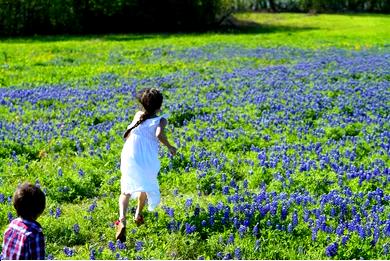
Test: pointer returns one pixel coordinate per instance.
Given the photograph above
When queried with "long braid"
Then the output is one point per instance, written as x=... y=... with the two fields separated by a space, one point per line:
x=151 y=100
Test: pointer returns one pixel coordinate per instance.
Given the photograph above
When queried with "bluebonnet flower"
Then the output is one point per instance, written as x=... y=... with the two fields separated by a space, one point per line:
x=68 y=251
x=211 y=220
x=170 y=212
x=314 y=232
x=50 y=257
x=284 y=212
x=92 y=254
x=204 y=223
x=344 y=240
x=10 y=217
x=232 y=183
x=212 y=209
x=58 y=212
x=92 y=207
x=228 y=256
x=290 y=228
x=139 y=245
x=81 y=173
x=257 y=245
x=237 y=253
x=201 y=258
x=245 y=184
x=375 y=236
x=189 y=229
x=219 y=255
x=255 y=230
x=225 y=190
x=188 y=203
x=76 y=228
x=332 y=249
x=295 y=219
x=196 y=210
x=2 y=198
x=230 y=239
x=111 y=246
x=120 y=245
x=60 y=172
x=386 y=248
x=242 y=230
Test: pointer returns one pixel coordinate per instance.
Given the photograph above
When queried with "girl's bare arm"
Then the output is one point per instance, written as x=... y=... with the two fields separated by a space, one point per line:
x=160 y=134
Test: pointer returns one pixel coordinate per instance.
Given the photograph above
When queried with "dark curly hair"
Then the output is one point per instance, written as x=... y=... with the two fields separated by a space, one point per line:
x=29 y=201
x=151 y=100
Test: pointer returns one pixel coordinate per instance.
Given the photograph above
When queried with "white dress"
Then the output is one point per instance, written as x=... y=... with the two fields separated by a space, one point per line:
x=139 y=161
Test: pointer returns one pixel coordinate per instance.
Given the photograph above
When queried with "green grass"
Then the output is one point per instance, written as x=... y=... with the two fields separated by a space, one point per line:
x=110 y=61
x=36 y=60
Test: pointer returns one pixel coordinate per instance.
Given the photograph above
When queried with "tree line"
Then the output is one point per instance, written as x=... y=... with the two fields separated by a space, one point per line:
x=28 y=17
x=380 y=6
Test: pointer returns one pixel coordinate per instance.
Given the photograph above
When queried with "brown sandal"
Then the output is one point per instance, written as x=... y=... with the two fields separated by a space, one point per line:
x=139 y=221
x=120 y=231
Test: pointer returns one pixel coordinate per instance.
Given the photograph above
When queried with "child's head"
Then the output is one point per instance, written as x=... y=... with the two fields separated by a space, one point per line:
x=29 y=201
x=151 y=100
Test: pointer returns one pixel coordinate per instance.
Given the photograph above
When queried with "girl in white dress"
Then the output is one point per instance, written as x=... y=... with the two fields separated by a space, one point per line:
x=139 y=158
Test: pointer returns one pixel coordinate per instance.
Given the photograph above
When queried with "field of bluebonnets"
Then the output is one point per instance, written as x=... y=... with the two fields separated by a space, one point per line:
x=283 y=137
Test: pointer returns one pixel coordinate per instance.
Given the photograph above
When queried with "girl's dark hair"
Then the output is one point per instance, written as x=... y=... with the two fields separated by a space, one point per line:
x=151 y=100
x=29 y=201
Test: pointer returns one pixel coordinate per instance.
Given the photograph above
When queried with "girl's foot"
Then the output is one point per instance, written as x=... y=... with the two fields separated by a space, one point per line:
x=139 y=220
x=120 y=228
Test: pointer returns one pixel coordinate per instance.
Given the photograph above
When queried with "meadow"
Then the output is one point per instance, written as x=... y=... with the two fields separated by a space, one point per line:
x=282 y=128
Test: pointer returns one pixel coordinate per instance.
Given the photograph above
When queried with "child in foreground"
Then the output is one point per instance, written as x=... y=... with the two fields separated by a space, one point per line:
x=139 y=158
x=23 y=238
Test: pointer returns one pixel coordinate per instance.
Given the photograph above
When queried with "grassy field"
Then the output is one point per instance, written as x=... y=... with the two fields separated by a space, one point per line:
x=35 y=61
x=282 y=126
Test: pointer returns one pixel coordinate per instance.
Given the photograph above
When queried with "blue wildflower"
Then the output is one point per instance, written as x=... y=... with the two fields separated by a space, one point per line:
x=120 y=245
x=228 y=256
x=188 y=203
x=225 y=190
x=257 y=245
x=76 y=228
x=189 y=229
x=81 y=173
x=10 y=217
x=230 y=239
x=111 y=246
x=68 y=251
x=237 y=253
x=295 y=219
x=255 y=230
x=242 y=230
x=92 y=207
x=139 y=245
x=58 y=212
x=344 y=240
x=331 y=250
x=92 y=254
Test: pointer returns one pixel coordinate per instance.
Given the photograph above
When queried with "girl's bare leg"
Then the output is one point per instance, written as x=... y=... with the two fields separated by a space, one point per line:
x=141 y=204
x=123 y=205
